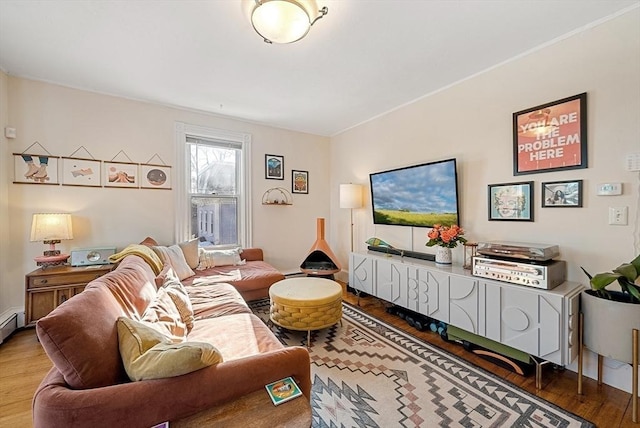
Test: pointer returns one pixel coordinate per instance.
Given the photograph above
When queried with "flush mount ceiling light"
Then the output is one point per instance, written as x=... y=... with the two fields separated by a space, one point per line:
x=285 y=21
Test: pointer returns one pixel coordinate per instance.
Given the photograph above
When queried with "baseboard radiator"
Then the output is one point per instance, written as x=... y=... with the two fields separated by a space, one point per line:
x=10 y=322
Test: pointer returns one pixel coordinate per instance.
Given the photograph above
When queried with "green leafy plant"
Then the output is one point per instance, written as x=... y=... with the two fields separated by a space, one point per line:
x=627 y=275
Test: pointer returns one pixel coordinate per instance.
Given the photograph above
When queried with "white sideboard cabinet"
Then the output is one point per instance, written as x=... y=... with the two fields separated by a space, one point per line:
x=542 y=323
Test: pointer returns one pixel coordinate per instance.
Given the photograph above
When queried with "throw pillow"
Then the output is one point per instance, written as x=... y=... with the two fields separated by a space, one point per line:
x=149 y=242
x=165 y=317
x=212 y=258
x=168 y=280
x=190 y=251
x=148 y=354
x=175 y=257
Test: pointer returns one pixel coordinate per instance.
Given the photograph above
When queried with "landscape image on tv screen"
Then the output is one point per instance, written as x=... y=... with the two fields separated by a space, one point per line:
x=420 y=195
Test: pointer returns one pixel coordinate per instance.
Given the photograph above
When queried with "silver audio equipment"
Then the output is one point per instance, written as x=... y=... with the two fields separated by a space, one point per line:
x=92 y=256
x=545 y=276
x=519 y=250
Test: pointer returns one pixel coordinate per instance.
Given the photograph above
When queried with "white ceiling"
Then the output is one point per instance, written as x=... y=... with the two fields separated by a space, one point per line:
x=365 y=58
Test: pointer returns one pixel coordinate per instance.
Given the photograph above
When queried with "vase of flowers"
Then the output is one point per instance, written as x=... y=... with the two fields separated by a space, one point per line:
x=446 y=238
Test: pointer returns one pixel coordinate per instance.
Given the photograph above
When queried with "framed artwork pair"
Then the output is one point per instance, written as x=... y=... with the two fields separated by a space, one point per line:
x=514 y=201
x=274 y=170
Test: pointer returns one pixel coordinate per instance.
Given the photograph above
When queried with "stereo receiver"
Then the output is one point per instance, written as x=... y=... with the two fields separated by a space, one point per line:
x=544 y=275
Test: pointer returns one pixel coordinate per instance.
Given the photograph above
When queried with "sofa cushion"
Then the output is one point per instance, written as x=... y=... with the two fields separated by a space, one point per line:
x=80 y=336
x=236 y=336
x=148 y=354
x=178 y=294
x=174 y=256
x=165 y=317
x=210 y=301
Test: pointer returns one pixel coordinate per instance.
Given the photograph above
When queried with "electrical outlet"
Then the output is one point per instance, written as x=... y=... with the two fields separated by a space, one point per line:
x=618 y=215
x=633 y=162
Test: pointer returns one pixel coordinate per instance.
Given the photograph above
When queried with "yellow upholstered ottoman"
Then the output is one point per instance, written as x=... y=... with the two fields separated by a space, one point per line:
x=305 y=304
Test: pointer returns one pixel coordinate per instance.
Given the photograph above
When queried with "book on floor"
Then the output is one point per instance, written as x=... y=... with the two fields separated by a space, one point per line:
x=283 y=390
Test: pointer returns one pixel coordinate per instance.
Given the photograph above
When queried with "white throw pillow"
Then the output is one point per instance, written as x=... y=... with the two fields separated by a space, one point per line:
x=175 y=257
x=212 y=258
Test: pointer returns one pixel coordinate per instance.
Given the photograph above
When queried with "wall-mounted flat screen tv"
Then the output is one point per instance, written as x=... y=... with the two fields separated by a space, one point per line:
x=420 y=195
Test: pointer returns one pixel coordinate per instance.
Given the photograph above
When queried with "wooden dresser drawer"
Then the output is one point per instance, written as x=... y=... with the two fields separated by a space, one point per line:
x=45 y=289
x=65 y=278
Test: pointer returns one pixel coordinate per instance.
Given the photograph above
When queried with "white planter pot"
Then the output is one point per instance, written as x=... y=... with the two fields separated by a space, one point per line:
x=608 y=325
x=443 y=255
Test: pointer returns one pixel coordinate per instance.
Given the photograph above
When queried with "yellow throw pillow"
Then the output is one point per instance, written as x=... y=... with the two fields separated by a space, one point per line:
x=148 y=354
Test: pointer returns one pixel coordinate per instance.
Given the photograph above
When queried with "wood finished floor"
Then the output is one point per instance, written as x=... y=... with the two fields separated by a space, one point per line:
x=23 y=364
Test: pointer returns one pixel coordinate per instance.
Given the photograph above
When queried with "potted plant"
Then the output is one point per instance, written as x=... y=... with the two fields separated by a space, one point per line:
x=611 y=315
x=445 y=238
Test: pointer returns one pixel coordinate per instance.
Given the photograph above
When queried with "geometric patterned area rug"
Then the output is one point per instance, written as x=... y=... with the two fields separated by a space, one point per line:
x=367 y=373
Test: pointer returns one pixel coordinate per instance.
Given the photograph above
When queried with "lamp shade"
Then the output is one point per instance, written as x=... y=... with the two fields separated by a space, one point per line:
x=350 y=195
x=51 y=227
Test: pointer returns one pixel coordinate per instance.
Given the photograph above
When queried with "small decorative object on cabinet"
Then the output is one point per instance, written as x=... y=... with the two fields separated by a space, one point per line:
x=610 y=322
x=470 y=251
x=277 y=196
x=45 y=289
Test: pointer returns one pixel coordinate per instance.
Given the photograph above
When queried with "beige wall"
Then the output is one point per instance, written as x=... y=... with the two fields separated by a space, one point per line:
x=6 y=300
x=64 y=119
x=472 y=122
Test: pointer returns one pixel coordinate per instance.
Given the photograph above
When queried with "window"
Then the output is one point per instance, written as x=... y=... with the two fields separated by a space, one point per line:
x=214 y=199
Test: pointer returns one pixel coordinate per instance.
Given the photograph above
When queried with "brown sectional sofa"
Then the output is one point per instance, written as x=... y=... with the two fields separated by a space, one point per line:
x=88 y=386
x=257 y=275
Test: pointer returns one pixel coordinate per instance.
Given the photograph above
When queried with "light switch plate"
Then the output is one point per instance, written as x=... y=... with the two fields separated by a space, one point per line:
x=633 y=162
x=618 y=215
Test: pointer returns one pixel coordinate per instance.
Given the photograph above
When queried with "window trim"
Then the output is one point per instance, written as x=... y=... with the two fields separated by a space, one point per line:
x=182 y=130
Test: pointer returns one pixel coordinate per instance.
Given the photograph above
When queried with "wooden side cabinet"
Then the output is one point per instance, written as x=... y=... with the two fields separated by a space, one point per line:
x=45 y=289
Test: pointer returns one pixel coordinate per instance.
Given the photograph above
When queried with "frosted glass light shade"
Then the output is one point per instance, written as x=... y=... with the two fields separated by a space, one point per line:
x=280 y=21
x=51 y=227
x=350 y=195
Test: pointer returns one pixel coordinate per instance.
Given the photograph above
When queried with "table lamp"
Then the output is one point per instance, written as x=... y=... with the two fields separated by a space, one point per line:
x=51 y=229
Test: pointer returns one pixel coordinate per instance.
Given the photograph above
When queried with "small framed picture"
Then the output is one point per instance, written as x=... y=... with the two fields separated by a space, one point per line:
x=121 y=174
x=81 y=172
x=35 y=169
x=155 y=176
x=511 y=201
x=274 y=167
x=562 y=194
x=299 y=181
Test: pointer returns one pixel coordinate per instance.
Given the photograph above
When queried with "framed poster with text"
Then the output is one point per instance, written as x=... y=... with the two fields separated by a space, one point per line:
x=551 y=137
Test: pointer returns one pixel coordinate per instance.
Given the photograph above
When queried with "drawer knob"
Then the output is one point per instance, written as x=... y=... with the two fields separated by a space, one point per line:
x=44 y=281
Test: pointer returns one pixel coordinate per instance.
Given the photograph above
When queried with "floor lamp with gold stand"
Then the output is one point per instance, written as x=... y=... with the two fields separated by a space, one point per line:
x=351 y=197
